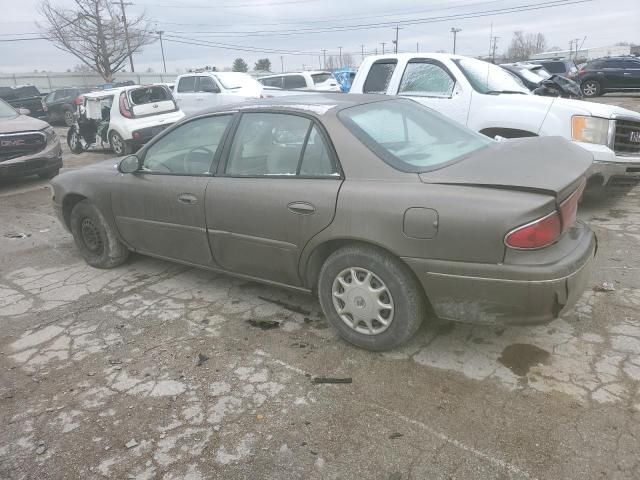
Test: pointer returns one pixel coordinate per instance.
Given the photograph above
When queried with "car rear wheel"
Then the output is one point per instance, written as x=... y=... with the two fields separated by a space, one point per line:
x=73 y=141
x=370 y=297
x=69 y=119
x=591 y=88
x=119 y=146
x=95 y=239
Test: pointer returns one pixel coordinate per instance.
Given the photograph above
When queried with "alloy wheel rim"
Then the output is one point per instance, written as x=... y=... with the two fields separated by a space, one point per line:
x=68 y=116
x=590 y=89
x=363 y=301
x=91 y=236
x=117 y=144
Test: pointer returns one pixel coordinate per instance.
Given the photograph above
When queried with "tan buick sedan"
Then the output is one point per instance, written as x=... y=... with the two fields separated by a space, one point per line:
x=385 y=209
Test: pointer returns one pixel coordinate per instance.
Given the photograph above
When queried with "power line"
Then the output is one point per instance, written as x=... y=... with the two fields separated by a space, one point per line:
x=238 y=5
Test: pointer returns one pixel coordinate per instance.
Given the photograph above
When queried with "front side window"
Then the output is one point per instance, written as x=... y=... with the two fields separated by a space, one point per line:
x=632 y=64
x=187 y=85
x=189 y=149
x=207 y=84
x=426 y=79
x=294 y=81
x=409 y=136
x=488 y=78
x=379 y=76
x=272 y=82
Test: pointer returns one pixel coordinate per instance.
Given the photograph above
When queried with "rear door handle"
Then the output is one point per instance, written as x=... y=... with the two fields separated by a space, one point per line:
x=301 y=208
x=188 y=198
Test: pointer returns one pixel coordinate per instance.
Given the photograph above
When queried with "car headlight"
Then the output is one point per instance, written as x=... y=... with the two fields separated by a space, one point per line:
x=589 y=129
x=50 y=133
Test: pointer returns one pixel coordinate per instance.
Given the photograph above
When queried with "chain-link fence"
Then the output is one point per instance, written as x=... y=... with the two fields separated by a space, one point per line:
x=47 y=82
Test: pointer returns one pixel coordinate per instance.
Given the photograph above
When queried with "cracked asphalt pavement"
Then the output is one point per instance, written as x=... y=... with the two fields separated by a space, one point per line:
x=154 y=370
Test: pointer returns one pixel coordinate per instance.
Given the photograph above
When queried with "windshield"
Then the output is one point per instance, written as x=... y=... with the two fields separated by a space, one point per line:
x=6 y=110
x=320 y=77
x=409 y=136
x=486 y=77
x=233 y=80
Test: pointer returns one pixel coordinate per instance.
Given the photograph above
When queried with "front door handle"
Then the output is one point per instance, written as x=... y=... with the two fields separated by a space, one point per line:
x=187 y=198
x=301 y=208
x=626 y=73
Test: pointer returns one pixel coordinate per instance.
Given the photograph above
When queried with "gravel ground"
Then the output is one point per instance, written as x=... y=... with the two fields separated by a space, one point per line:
x=154 y=370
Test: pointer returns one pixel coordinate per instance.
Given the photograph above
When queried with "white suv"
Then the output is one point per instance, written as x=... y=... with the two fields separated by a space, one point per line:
x=319 y=80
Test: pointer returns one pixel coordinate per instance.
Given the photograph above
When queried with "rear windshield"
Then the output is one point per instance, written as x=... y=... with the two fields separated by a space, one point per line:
x=11 y=93
x=142 y=96
x=320 y=77
x=409 y=136
x=6 y=110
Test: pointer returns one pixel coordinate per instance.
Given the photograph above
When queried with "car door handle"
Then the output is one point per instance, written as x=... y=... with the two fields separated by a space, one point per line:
x=301 y=208
x=187 y=198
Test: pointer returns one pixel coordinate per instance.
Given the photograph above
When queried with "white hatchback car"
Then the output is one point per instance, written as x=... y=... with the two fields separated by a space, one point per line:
x=124 y=118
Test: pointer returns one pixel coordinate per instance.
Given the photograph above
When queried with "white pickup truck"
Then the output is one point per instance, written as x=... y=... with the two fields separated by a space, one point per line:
x=490 y=100
x=195 y=92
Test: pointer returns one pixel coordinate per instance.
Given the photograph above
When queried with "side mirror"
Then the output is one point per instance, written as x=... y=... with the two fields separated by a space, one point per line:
x=24 y=111
x=129 y=164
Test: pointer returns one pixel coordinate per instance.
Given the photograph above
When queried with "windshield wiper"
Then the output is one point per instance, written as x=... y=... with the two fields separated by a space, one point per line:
x=498 y=92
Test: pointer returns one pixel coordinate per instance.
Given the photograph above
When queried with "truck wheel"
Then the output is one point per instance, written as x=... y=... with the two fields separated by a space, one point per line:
x=370 y=297
x=95 y=239
x=591 y=88
x=118 y=145
x=69 y=118
x=73 y=141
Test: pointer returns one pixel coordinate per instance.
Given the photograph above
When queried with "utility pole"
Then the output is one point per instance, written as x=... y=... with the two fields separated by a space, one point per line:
x=493 y=49
x=281 y=64
x=577 y=42
x=395 y=42
x=362 y=50
x=455 y=31
x=319 y=62
x=324 y=57
x=340 y=56
x=164 y=64
x=417 y=48
x=126 y=29
x=570 y=49
x=383 y=44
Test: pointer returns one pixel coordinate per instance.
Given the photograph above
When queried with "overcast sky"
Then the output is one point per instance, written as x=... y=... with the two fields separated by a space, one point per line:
x=241 y=23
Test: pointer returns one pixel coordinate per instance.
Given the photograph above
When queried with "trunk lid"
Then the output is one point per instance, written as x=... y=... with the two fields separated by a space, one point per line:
x=151 y=100
x=551 y=165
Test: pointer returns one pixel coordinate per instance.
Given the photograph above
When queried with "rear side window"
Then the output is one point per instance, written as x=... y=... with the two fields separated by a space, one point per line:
x=271 y=82
x=320 y=77
x=629 y=64
x=409 y=136
x=294 y=81
x=595 y=65
x=379 y=76
x=316 y=160
x=614 y=64
x=555 y=67
x=187 y=84
x=426 y=79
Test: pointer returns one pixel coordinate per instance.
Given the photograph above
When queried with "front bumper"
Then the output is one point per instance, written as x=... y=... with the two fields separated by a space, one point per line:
x=508 y=295
x=608 y=166
x=47 y=160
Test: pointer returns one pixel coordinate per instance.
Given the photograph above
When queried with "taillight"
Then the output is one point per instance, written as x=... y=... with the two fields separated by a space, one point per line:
x=125 y=110
x=78 y=101
x=538 y=234
x=546 y=230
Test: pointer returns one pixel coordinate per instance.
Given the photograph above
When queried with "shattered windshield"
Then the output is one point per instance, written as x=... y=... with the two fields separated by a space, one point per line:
x=488 y=78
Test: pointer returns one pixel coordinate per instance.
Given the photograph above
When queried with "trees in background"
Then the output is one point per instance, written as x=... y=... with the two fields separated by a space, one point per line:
x=264 y=64
x=523 y=46
x=239 y=65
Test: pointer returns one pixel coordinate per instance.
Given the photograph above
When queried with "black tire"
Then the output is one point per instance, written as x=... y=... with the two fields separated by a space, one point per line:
x=118 y=145
x=96 y=240
x=408 y=299
x=591 y=88
x=50 y=174
x=68 y=118
x=73 y=141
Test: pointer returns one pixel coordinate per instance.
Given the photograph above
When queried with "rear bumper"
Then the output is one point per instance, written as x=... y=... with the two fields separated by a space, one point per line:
x=507 y=295
x=47 y=160
x=143 y=135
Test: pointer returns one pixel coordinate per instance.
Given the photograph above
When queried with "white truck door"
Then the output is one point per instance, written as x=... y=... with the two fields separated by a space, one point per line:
x=185 y=93
x=431 y=83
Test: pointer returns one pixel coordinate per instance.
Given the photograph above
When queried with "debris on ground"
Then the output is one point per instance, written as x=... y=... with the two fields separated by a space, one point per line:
x=115 y=361
x=286 y=306
x=604 y=287
x=17 y=235
x=264 y=324
x=395 y=435
x=331 y=380
x=201 y=359
x=41 y=448
x=131 y=443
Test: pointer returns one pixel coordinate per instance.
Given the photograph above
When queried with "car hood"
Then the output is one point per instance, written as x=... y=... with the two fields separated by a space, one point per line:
x=21 y=123
x=551 y=165
x=594 y=109
x=104 y=165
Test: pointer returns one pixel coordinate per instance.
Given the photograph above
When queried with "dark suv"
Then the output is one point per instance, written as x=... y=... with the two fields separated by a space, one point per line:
x=610 y=74
x=60 y=104
x=24 y=96
x=564 y=68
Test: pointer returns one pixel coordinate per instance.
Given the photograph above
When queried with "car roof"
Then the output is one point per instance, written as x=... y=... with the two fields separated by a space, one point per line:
x=315 y=104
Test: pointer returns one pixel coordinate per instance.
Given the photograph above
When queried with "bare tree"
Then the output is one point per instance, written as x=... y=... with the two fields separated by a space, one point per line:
x=93 y=31
x=347 y=60
x=523 y=46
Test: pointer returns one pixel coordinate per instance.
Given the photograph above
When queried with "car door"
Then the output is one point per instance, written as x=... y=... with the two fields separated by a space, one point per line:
x=185 y=93
x=614 y=73
x=430 y=83
x=631 y=74
x=160 y=210
x=55 y=107
x=294 y=82
x=276 y=190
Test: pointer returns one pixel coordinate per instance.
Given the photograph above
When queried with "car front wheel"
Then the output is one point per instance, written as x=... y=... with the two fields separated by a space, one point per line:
x=370 y=297
x=69 y=119
x=119 y=146
x=94 y=237
x=591 y=88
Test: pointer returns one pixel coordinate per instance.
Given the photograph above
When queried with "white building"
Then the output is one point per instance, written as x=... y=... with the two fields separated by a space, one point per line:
x=585 y=53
